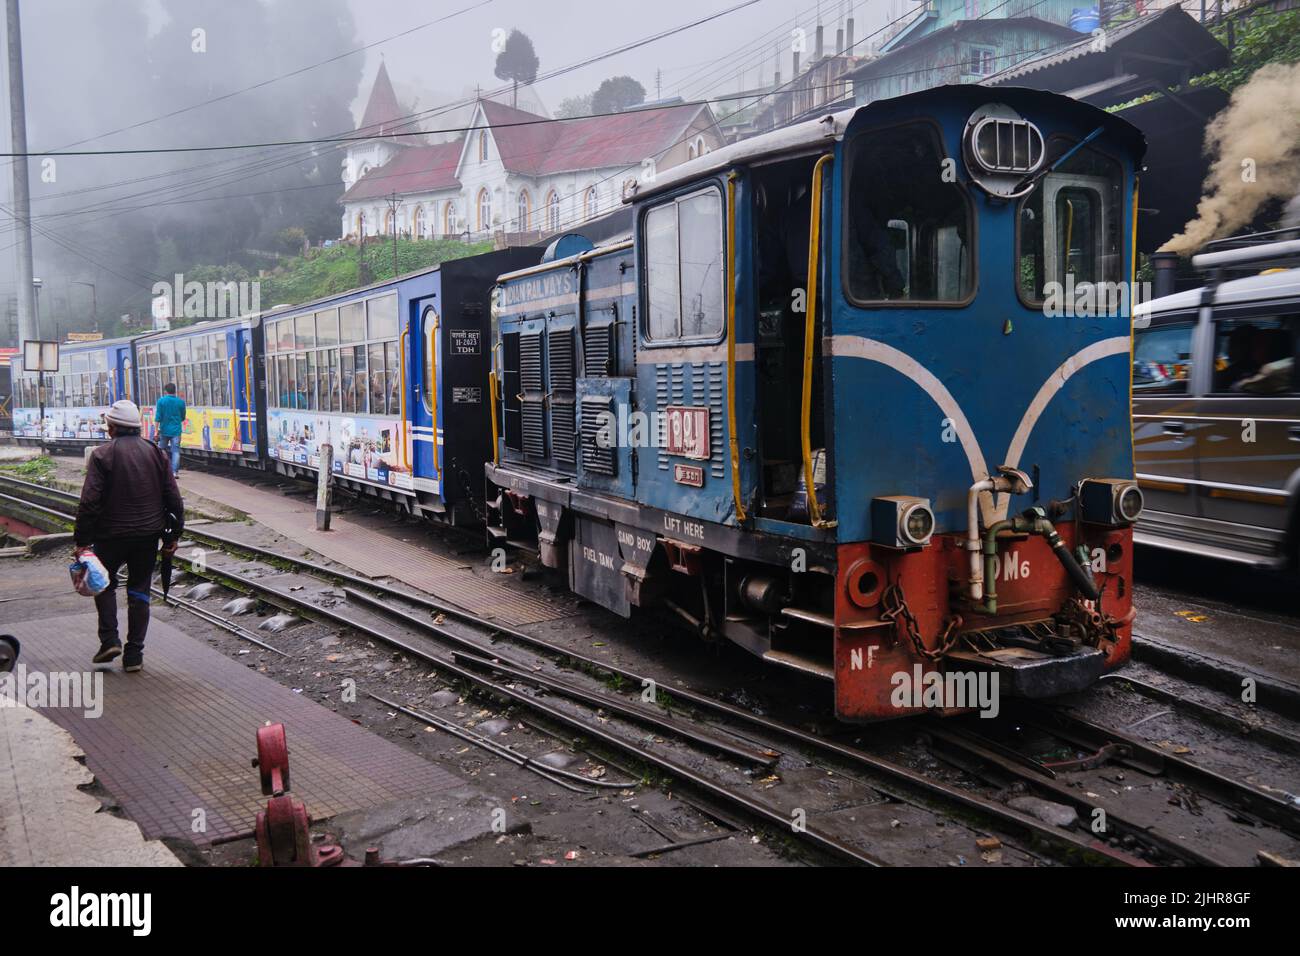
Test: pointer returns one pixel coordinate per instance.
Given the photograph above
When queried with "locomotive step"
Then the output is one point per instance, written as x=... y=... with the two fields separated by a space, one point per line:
x=1024 y=672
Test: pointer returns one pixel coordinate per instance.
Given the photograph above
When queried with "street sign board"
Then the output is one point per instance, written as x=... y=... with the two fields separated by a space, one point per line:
x=40 y=356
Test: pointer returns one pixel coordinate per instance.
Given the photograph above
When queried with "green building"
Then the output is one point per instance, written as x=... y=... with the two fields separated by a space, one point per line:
x=964 y=41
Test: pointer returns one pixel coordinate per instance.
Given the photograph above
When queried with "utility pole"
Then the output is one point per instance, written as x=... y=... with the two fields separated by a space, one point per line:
x=393 y=203
x=28 y=327
x=659 y=84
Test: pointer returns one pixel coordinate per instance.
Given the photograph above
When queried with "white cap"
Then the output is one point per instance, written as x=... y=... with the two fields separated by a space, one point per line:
x=123 y=413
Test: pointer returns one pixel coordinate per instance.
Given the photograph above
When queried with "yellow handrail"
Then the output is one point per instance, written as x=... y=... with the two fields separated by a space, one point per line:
x=234 y=402
x=1132 y=289
x=248 y=391
x=432 y=345
x=809 y=331
x=732 y=438
x=401 y=397
x=492 y=397
x=1069 y=236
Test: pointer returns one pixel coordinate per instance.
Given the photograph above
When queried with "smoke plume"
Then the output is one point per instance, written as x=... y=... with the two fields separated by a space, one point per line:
x=1255 y=145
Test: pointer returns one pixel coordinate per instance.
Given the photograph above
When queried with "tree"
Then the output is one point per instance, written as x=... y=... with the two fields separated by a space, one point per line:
x=572 y=106
x=1255 y=38
x=617 y=94
x=517 y=62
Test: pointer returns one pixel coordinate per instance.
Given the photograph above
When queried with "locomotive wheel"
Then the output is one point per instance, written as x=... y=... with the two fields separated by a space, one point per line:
x=273 y=759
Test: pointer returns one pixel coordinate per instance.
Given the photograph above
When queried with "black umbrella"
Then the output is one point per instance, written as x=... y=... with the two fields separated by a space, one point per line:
x=165 y=555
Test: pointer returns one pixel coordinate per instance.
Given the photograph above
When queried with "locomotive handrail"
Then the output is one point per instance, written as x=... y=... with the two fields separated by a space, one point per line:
x=433 y=388
x=248 y=391
x=810 y=323
x=492 y=397
x=732 y=438
x=234 y=399
x=401 y=402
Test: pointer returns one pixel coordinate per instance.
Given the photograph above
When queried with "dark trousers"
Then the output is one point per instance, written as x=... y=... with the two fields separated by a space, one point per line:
x=138 y=554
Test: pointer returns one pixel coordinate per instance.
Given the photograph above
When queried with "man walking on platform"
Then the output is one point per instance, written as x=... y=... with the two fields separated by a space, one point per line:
x=128 y=502
x=169 y=413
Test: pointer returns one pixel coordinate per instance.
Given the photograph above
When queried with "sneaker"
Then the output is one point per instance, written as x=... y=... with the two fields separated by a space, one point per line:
x=108 y=651
x=133 y=662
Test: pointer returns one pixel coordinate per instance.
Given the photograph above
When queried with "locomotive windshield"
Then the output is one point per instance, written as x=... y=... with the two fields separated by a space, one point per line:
x=1070 y=225
x=908 y=234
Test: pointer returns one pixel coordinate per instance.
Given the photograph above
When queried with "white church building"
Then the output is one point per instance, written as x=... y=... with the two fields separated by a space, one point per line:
x=514 y=172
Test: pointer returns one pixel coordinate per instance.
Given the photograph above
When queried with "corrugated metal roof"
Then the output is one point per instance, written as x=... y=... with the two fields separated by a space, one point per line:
x=1169 y=33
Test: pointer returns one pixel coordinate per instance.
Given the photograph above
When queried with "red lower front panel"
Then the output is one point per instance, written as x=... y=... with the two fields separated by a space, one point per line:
x=876 y=666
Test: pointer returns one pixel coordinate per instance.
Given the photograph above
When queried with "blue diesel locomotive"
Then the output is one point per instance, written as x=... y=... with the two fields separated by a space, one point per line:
x=819 y=405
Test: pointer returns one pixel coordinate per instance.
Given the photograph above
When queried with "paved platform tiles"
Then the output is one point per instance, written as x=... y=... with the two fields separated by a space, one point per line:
x=45 y=818
x=370 y=553
x=179 y=736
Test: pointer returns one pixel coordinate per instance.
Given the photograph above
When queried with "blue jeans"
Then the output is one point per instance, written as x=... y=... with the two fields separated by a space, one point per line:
x=171 y=444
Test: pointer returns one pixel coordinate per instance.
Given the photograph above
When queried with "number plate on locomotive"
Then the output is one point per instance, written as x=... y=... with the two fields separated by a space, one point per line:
x=687 y=433
x=692 y=475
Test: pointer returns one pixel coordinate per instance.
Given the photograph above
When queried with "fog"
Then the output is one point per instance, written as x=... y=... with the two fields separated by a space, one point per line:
x=149 y=74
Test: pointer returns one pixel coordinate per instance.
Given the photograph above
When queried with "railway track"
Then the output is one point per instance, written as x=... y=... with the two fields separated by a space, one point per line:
x=717 y=749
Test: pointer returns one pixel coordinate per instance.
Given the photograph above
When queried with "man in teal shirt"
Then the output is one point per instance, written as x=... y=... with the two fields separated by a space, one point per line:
x=169 y=413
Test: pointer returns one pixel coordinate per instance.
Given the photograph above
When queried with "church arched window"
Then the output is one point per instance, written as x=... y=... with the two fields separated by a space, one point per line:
x=525 y=211
x=552 y=212
x=484 y=210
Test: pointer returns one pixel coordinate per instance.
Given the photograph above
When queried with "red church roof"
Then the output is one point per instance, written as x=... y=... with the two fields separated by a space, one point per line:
x=415 y=169
x=382 y=115
x=533 y=146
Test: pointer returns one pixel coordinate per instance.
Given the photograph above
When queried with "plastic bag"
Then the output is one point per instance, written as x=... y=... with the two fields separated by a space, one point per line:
x=89 y=576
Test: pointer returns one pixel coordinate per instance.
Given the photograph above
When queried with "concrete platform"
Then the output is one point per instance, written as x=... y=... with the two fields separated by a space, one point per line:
x=370 y=553
x=174 y=742
x=46 y=819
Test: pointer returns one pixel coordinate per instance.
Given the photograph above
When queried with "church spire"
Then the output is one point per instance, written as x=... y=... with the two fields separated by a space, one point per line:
x=382 y=112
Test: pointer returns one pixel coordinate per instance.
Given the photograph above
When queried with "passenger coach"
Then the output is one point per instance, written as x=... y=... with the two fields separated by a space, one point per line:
x=818 y=406
x=91 y=376
x=393 y=377
x=213 y=366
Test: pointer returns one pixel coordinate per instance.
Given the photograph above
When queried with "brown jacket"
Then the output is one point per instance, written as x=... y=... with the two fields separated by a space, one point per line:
x=129 y=492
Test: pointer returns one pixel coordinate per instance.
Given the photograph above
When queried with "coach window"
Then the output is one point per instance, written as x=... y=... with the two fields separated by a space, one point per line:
x=909 y=236
x=1162 y=359
x=430 y=329
x=684 y=268
x=1070 y=228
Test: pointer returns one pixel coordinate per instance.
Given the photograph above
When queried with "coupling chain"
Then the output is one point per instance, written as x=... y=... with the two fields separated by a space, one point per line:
x=900 y=615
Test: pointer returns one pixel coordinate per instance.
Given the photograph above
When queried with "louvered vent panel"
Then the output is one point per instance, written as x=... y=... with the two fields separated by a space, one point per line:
x=534 y=422
x=717 y=413
x=563 y=434
x=598 y=351
x=661 y=403
x=595 y=458
x=560 y=347
x=530 y=361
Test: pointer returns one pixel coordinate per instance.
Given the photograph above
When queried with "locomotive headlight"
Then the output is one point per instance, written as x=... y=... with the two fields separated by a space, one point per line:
x=918 y=524
x=1110 y=501
x=902 y=521
x=1129 y=503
